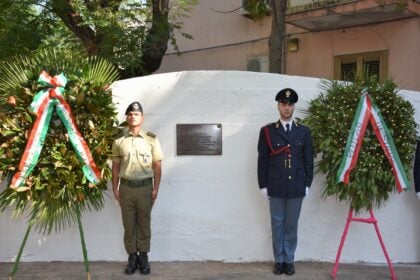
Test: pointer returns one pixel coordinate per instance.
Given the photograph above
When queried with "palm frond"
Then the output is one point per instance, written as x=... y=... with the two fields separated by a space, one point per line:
x=101 y=71
x=13 y=72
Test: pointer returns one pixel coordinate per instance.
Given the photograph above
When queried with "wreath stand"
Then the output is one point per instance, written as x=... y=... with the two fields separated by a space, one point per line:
x=371 y=220
x=82 y=240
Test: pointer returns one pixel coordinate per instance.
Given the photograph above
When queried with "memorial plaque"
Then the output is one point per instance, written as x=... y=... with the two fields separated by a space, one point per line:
x=199 y=139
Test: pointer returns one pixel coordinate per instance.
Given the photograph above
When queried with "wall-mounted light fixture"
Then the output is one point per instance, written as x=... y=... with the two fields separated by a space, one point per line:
x=293 y=45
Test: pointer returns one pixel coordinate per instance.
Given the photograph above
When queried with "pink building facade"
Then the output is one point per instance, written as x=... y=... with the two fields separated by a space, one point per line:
x=328 y=40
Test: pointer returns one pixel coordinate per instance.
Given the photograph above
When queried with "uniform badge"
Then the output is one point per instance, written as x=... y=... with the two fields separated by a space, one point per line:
x=146 y=158
x=288 y=94
x=136 y=106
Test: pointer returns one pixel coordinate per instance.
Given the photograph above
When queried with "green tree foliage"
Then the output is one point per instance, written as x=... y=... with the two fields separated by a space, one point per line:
x=58 y=187
x=257 y=9
x=330 y=119
x=131 y=34
x=20 y=29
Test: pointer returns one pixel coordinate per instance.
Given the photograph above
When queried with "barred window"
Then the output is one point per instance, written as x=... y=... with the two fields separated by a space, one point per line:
x=371 y=67
x=348 y=70
x=348 y=67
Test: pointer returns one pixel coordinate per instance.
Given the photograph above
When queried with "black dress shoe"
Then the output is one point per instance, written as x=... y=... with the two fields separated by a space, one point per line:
x=289 y=269
x=133 y=262
x=144 y=265
x=278 y=268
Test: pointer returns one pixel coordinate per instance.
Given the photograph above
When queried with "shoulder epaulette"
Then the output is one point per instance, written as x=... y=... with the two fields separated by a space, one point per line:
x=151 y=134
x=119 y=132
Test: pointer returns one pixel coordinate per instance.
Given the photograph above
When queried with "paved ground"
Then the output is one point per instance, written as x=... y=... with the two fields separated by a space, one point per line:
x=206 y=271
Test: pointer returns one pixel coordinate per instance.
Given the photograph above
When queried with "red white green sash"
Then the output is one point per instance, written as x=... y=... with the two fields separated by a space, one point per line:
x=367 y=111
x=43 y=105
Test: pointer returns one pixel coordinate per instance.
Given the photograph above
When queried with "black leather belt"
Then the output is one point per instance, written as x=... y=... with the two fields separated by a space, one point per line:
x=136 y=183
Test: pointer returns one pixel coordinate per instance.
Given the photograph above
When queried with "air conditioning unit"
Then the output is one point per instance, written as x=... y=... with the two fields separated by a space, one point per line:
x=258 y=64
x=245 y=13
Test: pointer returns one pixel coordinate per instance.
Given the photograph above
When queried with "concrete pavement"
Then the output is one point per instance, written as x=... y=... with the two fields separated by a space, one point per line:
x=206 y=271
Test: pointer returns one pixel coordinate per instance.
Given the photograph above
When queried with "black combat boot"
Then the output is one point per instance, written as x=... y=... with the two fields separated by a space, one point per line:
x=133 y=262
x=144 y=263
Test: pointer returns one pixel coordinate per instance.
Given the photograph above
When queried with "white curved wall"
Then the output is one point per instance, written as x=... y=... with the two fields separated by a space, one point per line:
x=209 y=207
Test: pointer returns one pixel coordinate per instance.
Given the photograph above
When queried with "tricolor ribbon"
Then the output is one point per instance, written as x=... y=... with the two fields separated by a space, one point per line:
x=42 y=106
x=367 y=111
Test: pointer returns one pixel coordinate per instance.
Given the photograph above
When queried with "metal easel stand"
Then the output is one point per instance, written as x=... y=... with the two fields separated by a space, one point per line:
x=371 y=220
x=82 y=239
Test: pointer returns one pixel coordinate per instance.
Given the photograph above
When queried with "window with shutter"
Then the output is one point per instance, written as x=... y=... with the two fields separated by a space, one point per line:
x=348 y=67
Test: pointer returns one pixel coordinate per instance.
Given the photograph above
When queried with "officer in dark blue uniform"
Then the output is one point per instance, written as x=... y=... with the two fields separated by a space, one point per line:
x=416 y=170
x=285 y=173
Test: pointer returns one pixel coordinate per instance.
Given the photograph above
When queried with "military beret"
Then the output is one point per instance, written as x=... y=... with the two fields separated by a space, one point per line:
x=135 y=106
x=287 y=95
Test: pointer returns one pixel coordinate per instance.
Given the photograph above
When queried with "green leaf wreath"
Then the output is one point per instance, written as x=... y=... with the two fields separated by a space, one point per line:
x=58 y=187
x=330 y=118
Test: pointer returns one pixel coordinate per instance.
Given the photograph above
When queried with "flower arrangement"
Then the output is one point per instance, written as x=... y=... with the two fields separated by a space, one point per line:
x=57 y=185
x=330 y=118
